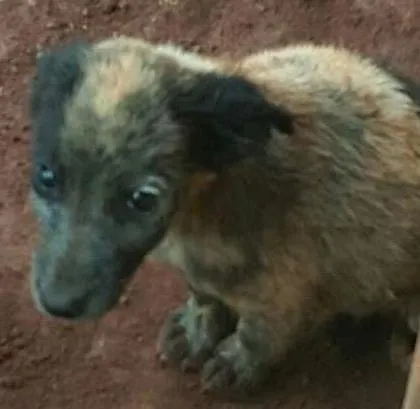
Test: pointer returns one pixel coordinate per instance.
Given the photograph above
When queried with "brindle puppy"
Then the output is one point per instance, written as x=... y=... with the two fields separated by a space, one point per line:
x=284 y=186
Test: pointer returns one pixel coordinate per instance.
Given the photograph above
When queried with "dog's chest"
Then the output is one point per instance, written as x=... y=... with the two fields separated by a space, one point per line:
x=203 y=261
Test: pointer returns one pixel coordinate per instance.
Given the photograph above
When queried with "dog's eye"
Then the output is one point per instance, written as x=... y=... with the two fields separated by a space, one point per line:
x=46 y=177
x=145 y=198
x=45 y=182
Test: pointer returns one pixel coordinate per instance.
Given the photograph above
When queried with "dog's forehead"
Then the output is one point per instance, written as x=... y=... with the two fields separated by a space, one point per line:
x=120 y=96
x=112 y=75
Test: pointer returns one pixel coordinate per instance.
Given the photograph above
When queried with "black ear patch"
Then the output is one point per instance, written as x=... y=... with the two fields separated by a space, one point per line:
x=57 y=73
x=227 y=119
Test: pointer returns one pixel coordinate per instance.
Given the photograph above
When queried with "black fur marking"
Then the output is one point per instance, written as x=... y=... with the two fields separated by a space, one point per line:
x=410 y=87
x=227 y=119
x=57 y=73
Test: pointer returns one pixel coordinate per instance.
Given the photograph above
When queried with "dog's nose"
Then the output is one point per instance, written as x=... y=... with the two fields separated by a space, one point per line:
x=62 y=306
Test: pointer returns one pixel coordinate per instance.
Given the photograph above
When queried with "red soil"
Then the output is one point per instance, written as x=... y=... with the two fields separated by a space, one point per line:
x=111 y=364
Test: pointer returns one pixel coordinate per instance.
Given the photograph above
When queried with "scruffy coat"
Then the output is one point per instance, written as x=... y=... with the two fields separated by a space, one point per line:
x=283 y=185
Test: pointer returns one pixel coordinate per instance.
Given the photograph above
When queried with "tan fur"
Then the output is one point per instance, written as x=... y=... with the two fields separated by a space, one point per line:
x=110 y=81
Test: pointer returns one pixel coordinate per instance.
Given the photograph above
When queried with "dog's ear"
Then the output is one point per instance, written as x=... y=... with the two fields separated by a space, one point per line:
x=226 y=119
x=57 y=73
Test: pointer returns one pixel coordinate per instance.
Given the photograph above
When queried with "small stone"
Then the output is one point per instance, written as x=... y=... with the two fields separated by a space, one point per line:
x=124 y=300
x=51 y=25
x=261 y=7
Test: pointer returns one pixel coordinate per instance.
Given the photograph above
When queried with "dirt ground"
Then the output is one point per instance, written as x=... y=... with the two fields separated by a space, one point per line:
x=111 y=364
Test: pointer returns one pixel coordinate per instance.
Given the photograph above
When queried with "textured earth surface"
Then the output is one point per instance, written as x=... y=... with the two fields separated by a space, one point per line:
x=111 y=364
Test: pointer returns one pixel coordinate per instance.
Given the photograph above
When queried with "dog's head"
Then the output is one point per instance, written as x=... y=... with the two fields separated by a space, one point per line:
x=117 y=128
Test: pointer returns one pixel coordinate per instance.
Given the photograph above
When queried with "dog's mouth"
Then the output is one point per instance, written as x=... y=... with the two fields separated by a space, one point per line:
x=105 y=293
x=62 y=305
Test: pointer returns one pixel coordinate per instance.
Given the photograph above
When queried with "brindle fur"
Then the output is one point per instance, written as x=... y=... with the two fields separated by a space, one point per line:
x=288 y=193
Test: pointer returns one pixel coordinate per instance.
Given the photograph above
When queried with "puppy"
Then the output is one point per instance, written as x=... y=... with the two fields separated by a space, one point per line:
x=284 y=186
